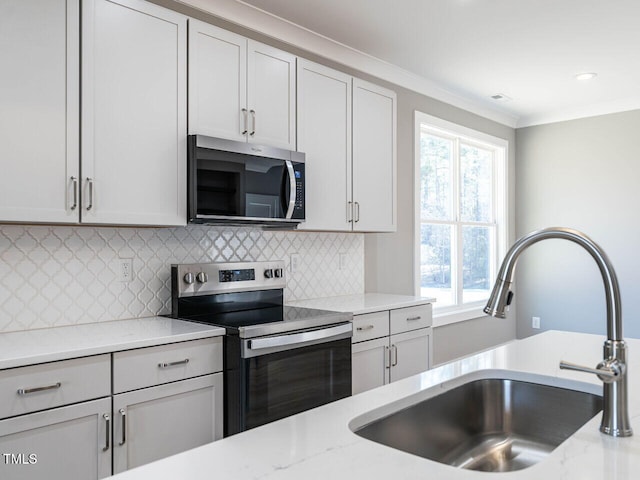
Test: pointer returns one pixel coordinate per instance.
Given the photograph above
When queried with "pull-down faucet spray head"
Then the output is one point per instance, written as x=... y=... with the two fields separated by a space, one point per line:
x=500 y=299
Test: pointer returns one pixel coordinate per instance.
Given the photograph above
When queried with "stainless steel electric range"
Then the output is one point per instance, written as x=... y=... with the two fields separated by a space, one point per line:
x=278 y=360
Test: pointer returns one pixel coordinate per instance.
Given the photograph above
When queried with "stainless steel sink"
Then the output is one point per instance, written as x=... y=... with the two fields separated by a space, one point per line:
x=493 y=425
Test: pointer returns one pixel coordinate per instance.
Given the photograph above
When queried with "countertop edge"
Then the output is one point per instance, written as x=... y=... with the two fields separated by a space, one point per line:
x=67 y=352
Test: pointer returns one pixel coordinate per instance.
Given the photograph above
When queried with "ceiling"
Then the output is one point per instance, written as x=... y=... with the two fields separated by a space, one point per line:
x=528 y=50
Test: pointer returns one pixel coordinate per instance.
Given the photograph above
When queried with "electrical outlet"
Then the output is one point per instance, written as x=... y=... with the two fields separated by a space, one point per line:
x=342 y=261
x=125 y=271
x=294 y=260
x=535 y=322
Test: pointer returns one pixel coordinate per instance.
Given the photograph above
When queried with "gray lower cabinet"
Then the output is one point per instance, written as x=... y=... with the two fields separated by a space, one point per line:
x=167 y=399
x=55 y=420
x=73 y=419
x=156 y=422
x=390 y=345
x=58 y=444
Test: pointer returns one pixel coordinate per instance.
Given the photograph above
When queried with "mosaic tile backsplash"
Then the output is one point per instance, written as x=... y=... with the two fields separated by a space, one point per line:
x=58 y=275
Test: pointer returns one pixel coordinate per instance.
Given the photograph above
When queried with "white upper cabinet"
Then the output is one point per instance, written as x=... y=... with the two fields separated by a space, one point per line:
x=217 y=82
x=39 y=110
x=134 y=130
x=347 y=129
x=374 y=157
x=240 y=89
x=324 y=135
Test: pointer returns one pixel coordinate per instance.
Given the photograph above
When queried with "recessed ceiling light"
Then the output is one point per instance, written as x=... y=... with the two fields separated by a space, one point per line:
x=585 y=76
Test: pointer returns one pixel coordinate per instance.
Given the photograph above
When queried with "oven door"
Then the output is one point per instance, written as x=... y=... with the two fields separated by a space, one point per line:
x=287 y=374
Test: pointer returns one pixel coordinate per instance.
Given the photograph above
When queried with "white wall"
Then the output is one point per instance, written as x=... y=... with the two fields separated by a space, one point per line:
x=582 y=174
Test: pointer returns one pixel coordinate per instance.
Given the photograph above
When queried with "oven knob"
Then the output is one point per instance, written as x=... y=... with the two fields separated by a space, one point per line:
x=278 y=272
x=189 y=278
x=268 y=273
x=202 y=277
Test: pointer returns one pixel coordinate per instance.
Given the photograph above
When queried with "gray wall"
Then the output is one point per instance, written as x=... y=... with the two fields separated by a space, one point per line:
x=581 y=174
x=389 y=257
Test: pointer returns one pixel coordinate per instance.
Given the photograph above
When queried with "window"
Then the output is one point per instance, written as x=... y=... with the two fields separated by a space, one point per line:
x=460 y=213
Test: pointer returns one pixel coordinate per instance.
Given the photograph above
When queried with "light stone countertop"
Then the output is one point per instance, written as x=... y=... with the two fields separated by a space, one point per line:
x=318 y=444
x=60 y=343
x=359 y=304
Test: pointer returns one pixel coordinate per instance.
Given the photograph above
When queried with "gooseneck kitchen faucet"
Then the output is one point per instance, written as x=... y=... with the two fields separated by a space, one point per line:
x=612 y=370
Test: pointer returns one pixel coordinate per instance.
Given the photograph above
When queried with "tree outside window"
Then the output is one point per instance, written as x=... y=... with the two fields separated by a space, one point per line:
x=461 y=212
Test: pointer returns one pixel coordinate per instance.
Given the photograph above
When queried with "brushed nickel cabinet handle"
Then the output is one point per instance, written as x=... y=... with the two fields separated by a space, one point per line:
x=253 y=118
x=173 y=364
x=246 y=121
x=107 y=419
x=90 y=182
x=349 y=212
x=395 y=356
x=366 y=327
x=74 y=181
x=387 y=358
x=357 y=204
x=411 y=319
x=27 y=391
x=123 y=413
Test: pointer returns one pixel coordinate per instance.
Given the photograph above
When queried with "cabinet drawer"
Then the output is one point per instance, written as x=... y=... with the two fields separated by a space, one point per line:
x=410 y=318
x=39 y=387
x=370 y=325
x=150 y=366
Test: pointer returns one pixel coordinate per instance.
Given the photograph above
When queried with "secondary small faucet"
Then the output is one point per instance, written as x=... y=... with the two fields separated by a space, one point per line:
x=613 y=368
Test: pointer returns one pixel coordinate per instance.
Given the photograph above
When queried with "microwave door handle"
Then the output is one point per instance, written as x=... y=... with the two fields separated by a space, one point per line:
x=292 y=189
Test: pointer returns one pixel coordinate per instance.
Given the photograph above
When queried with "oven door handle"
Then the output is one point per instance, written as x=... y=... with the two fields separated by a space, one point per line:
x=303 y=338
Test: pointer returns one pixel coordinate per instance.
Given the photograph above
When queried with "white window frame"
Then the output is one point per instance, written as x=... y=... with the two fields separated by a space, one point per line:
x=462 y=312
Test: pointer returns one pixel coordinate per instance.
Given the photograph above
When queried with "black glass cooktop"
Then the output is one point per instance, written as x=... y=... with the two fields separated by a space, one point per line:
x=251 y=314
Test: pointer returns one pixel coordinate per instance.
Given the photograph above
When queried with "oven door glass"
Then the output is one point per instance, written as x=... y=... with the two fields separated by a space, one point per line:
x=285 y=383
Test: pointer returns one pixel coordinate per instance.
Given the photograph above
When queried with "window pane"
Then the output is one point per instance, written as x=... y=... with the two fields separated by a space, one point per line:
x=476 y=165
x=476 y=253
x=435 y=263
x=435 y=177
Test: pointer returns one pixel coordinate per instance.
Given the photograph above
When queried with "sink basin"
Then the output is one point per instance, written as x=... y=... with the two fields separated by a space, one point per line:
x=493 y=425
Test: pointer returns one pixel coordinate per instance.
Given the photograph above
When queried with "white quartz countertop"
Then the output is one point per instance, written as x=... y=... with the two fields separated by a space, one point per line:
x=363 y=303
x=318 y=444
x=60 y=343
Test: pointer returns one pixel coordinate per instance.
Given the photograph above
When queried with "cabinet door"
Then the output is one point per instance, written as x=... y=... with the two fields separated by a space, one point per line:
x=59 y=444
x=133 y=113
x=271 y=96
x=156 y=422
x=410 y=353
x=217 y=82
x=374 y=157
x=369 y=365
x=324 y=135
x=39 y=113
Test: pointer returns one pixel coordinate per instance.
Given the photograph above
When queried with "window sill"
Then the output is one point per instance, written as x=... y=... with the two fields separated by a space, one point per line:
x=441 y=319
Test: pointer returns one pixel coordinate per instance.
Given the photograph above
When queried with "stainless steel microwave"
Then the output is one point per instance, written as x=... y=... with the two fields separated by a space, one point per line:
x=232 y=182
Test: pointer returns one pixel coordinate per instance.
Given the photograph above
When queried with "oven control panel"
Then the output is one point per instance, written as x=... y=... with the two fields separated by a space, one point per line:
x=208 y=278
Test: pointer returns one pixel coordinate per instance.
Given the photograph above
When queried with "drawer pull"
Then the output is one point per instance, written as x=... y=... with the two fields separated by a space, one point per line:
x=173 y=364
x=411 y=319
x=366 y=327
x=27 y=391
